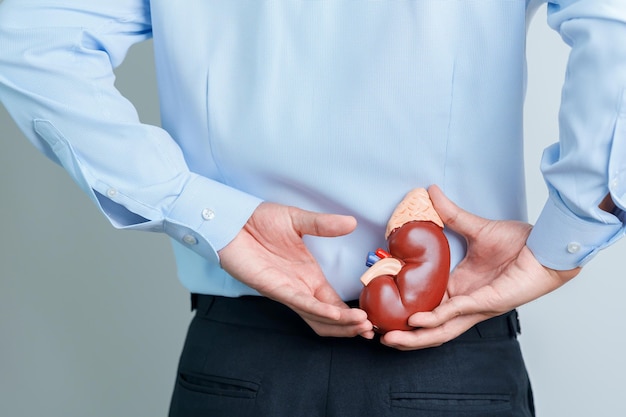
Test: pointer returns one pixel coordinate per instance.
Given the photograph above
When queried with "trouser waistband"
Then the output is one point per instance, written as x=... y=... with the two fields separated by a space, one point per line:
x=264 y=313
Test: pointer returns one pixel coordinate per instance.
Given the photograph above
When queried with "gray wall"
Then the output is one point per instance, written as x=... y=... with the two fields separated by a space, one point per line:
x=92 y=320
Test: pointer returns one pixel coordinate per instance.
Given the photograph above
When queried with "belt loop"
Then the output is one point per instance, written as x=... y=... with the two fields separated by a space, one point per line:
x=202 y=303
x=514 y=325
x=505 y=325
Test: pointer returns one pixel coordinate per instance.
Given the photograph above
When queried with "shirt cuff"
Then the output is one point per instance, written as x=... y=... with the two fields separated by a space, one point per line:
x=207 y=215
x=560 y=240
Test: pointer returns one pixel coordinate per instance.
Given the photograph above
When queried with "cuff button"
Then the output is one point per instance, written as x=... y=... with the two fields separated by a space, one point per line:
x=190 y=240
x=208 y=214
x=573 y=247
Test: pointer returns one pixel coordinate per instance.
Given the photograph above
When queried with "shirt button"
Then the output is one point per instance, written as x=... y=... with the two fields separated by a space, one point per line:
x=190 y=240
x=208 y=214
x=111 y=192
x=573 y=247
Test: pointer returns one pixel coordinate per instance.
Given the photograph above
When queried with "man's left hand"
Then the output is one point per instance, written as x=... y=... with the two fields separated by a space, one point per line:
x=498 y=274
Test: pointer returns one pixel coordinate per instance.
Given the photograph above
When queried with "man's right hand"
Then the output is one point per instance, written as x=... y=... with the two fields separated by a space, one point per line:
x=270 y=256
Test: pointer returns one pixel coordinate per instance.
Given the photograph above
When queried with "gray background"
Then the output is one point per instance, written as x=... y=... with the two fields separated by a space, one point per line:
x=92 y=319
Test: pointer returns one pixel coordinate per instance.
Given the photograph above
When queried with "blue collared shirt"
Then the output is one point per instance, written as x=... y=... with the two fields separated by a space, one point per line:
x=330 y=105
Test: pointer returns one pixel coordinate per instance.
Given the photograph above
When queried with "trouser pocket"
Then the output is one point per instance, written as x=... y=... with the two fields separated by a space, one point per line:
x=444 y=404
x=196 y=395
x=216 y=385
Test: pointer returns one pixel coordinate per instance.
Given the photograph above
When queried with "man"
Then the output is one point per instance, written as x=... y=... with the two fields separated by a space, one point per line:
x=278 y=112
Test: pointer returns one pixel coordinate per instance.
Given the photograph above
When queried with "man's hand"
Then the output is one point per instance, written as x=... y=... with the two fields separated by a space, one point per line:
x=270 y=256
x=498 y=274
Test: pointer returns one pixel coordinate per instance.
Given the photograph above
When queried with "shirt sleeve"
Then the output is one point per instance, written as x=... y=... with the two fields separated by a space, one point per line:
x=57 y=82
x=589 y=161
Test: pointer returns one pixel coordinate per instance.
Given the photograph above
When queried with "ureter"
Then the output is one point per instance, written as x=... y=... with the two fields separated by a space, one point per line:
x=607 y=204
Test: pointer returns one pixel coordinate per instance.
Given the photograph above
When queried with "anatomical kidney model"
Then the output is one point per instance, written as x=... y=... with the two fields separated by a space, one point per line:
x=412 y=275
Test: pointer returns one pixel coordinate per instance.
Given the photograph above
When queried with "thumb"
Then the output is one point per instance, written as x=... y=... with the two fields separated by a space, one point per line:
x=454 y=217
x=321 y=224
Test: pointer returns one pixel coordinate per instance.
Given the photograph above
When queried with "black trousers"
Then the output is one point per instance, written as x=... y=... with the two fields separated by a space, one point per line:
x=251 y=356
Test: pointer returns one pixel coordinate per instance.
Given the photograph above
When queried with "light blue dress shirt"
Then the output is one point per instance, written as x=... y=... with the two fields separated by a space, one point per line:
x=336 y=106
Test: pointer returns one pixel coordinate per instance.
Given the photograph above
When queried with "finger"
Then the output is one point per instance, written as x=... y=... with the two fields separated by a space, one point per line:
x=309 y=307
x=327 y=294
x=426 y=338
x=363 y=329
x=454 y=307
x=454 y=217
x=321 y=224
x=346 y=317
x=368 y=334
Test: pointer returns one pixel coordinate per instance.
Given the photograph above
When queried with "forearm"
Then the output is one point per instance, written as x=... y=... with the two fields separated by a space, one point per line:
x=57 y=81
x=584 y=169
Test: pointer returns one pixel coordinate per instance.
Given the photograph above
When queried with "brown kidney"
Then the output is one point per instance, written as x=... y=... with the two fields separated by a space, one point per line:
x=420 y=284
